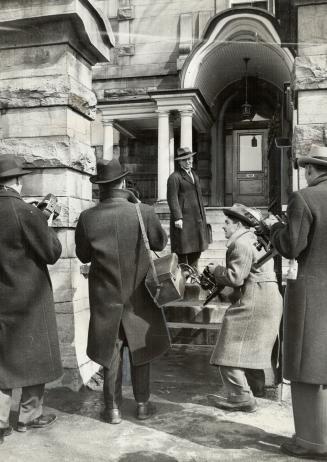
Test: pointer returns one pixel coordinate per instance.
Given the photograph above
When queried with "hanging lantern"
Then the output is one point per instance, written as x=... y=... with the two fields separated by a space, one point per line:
x=246 y=113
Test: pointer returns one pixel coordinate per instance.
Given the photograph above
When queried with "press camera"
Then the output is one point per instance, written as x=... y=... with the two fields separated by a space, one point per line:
x=48 y=205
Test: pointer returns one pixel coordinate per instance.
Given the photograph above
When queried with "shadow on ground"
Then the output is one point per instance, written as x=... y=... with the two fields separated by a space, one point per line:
x=196 y=423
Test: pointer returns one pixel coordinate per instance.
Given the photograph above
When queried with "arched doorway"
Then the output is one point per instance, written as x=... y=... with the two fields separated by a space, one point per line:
x=243 y=154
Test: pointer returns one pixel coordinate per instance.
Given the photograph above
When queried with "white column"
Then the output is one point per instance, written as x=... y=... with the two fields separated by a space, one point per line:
x=163 y=154
x=108 y=140
x=186 y=129
x=171 y=147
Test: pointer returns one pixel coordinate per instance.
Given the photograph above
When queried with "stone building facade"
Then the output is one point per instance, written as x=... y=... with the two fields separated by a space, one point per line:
x=238 y=81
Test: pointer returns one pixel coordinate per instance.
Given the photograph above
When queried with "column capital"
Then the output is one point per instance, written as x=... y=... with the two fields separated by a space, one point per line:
x=162 y=113
x=186 y=112
x=106 y=121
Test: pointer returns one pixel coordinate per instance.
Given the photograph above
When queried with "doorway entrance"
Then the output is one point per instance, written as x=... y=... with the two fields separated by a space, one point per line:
x=247 y=167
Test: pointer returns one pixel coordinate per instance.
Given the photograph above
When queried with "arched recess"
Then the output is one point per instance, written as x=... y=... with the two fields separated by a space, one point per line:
x=216 y=68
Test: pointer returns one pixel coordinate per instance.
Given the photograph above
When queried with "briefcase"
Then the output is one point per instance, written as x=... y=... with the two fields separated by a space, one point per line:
x=169 y=283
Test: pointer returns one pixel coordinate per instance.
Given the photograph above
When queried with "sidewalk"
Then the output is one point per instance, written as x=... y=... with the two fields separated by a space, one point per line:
x=184 y=429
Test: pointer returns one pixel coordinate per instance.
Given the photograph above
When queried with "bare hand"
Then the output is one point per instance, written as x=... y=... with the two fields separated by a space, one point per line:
x=270 y=220
x=179 y=224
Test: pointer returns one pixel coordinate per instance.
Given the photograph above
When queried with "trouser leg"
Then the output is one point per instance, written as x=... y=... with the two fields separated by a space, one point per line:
x=31 y=403
x=256 y=381
x=112 y=383
x=310 y=415
x=193 y=259
x=235 y=382
x=5 y=403
x=141 y=382
x=189 y=258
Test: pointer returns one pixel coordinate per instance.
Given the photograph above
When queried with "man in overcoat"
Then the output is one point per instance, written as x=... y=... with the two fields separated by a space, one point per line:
x=122 y=311
x=251 y=323
x=188 y=226
x=29 y=349
x=305 y=319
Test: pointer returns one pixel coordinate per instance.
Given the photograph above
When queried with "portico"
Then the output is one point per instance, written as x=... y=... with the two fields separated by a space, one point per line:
x=173 y=114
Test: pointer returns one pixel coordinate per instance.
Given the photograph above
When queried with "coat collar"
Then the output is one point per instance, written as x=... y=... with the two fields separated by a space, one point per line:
x=318 y=180
x=9 y=192
x=186 y=176
x=238 y=234
x=118 y=195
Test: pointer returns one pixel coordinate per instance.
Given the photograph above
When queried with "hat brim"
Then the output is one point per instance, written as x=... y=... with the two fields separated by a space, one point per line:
x=303 y=160
x=187 y=156
x=95 y=179
x=14 y=172
x=233 y=214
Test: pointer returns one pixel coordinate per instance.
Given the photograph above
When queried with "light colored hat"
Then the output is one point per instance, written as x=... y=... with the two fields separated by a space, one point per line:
x=317 y=156
x=247 y=215
x=184 y=153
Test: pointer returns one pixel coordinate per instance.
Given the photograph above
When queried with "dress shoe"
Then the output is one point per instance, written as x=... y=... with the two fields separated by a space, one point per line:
x=292 y=449
x=243 y=406
x=145 y=410
x=40 y=422
x=111 y=416
x=5 y=432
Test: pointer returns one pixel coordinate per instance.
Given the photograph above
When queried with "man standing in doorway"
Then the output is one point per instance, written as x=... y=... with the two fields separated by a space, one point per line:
x=305 y=319
x=188 y=226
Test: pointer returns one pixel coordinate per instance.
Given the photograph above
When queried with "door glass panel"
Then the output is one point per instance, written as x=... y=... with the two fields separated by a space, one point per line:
x=250 y=156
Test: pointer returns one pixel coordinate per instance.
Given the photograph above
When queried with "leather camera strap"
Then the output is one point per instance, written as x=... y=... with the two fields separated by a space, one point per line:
x=147 y=246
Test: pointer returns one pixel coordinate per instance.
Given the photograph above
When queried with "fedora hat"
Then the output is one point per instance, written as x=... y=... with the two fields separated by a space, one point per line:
x=317 y=156
x=247 y=215
x=108 y=171
x=184 y=153
x=10 y=166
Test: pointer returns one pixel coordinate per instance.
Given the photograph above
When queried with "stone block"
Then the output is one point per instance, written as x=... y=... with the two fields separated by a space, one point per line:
x=304 y=136
x=72 y=307
x=126 y=50
x=61 y=182
x=67 y=281
x=310 y=73
x=45 y=122
x=67 y=240
x=95 y=37
x=51 y=151
x=312 y=107
x=125 y=14
x=312 y=30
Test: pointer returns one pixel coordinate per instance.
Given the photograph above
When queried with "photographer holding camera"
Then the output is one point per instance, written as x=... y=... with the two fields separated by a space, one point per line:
x=251 y=323
x=29 y=348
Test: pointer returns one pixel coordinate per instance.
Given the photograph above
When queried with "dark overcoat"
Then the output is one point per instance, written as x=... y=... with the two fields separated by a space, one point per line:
x=305 y=319
x=251 y=324
x=29 y=349
x=185 y=202
x=109 y=236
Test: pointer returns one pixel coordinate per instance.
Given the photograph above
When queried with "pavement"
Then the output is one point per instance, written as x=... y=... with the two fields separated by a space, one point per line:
x=185 y=428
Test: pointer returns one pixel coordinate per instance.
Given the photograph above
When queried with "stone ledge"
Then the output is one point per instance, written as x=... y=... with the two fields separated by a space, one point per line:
x=52 y=151
x=48 y=91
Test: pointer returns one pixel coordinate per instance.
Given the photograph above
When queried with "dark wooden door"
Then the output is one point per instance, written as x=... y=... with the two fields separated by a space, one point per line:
x=250 y=167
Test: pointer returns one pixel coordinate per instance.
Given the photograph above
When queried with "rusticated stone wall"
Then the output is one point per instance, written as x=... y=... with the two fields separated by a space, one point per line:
x=309 y=81
x=46 y=108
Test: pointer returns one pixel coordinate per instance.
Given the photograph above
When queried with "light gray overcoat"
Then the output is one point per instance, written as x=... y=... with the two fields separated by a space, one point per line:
x=305 y=319
x=251 y=324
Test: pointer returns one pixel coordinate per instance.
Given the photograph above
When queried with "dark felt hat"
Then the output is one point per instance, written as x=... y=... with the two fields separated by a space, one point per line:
x=108 y=171
x=317 y=156
x=247 y=215
x=10 y=166
x=184 y=153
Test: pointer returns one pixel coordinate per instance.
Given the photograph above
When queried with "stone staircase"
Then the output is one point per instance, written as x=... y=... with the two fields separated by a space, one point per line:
x=189 y=322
